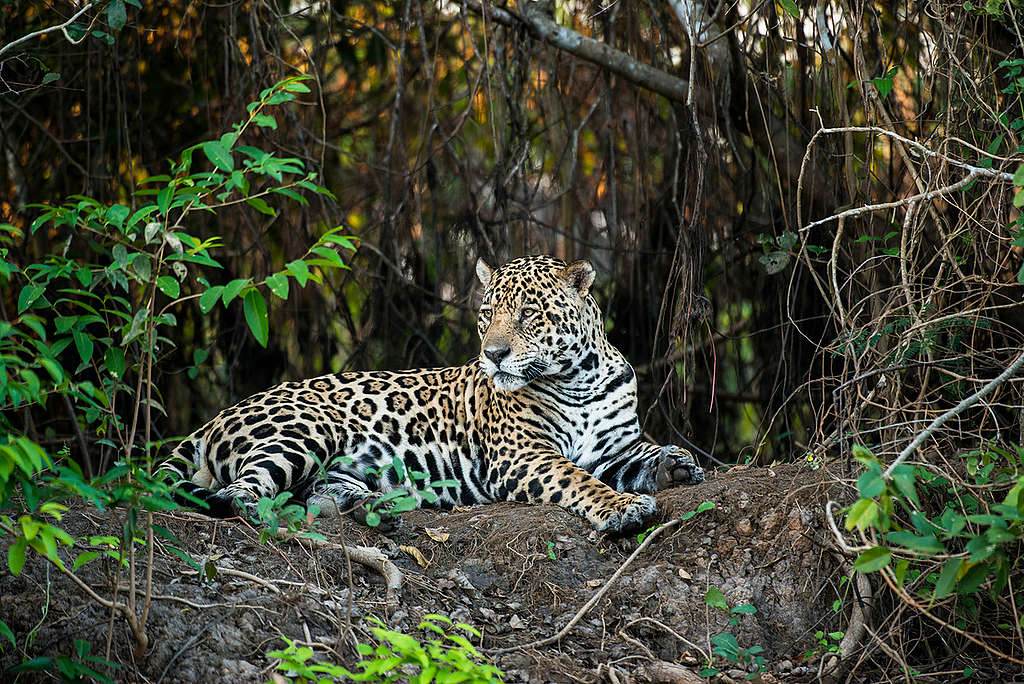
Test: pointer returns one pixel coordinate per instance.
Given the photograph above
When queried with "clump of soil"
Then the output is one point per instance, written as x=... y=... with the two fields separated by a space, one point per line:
x=517 y=573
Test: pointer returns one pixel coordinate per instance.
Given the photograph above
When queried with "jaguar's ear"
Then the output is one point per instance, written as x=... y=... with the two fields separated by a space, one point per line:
x=580 y=275
x=483 y=272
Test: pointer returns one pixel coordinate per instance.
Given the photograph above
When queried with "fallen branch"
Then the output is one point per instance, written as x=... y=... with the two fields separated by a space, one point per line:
x=369 y=556
x=596 y=597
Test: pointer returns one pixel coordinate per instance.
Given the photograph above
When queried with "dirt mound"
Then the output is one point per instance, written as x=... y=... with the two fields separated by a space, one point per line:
x=518 y=573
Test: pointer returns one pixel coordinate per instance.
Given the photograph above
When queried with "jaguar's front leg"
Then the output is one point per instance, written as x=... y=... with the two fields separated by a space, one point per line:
x=548 y=477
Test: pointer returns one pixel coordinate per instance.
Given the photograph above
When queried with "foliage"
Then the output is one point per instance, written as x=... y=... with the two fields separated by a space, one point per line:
x=413 y=486
x=827 y=643
x=274 y=514
x=447 y=656
x=94 y=317
x=725 y=645
x=937 y=532
x=80 y=668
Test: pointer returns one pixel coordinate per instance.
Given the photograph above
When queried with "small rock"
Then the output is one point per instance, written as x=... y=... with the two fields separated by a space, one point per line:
x=515 y=622
x=744 y=528
x=784 y=666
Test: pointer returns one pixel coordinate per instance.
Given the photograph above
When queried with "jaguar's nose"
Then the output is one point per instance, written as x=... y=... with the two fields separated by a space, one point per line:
x=497 y=354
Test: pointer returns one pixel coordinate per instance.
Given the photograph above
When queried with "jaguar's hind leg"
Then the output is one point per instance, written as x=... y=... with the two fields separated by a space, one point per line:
x=344 y=493
x=261 y=474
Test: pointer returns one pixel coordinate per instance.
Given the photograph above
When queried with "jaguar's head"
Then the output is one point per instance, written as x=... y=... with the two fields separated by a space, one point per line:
x=537 y=318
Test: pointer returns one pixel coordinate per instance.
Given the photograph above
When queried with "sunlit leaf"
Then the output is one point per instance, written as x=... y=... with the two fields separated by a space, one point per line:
x=872 y=560
x=169 y=286
x=219 y=155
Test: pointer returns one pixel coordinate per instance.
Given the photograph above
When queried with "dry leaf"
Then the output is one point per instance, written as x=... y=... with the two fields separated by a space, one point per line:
x=436 y=534
x=594 y=583
x=683 y=574
x=417 y=556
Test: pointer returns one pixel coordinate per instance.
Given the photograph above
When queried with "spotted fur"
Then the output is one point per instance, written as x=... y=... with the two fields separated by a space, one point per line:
x=547 y=413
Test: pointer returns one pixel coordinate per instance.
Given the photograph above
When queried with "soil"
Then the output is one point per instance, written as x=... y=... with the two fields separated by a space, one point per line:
x=517 y=573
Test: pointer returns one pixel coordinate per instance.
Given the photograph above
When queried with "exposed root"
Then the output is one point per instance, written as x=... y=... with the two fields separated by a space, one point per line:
x=369 y=556
x=831 y=662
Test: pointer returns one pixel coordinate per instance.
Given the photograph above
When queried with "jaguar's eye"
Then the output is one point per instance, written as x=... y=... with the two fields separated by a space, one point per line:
x=485 y=314
x=527 y=312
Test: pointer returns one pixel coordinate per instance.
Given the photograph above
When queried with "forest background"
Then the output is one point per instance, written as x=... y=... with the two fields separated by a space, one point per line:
x=804 y=217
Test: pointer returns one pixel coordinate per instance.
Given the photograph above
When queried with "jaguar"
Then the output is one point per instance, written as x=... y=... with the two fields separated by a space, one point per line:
x=546 y=414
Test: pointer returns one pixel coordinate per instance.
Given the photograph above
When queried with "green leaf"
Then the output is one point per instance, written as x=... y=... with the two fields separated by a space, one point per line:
x=259 y=205
x=50 y=77
x=209 y=299
x=296 y=86
x=219 y=155
x=870 y=484
x=872 y=560
x=5 y=631
x=345 y=241
x=113 y=359
x=947 y=578
x=256 y=316
x=265 y=120
x=163 y=199
x=83 y=343
x=715 y=599
x=116 y=15
x=16 y=555
x=299 y=270
x=52 y=367
x=905 y=481
x=169 y=286
x=862 y=514
x=1018 y=176
x=278 y=284
x=29 y=294
x=84 y=558
x=863 y=454
x=330 y=255
x=972 y=579
x=774 y=262
x=117 y=214
x=791 y=8
x=922 y=544
x=232 y=289
x=744 y=609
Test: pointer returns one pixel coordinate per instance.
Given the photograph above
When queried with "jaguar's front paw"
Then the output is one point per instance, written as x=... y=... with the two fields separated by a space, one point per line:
x=676 y=466
x=380 y=520
x=634 y=517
